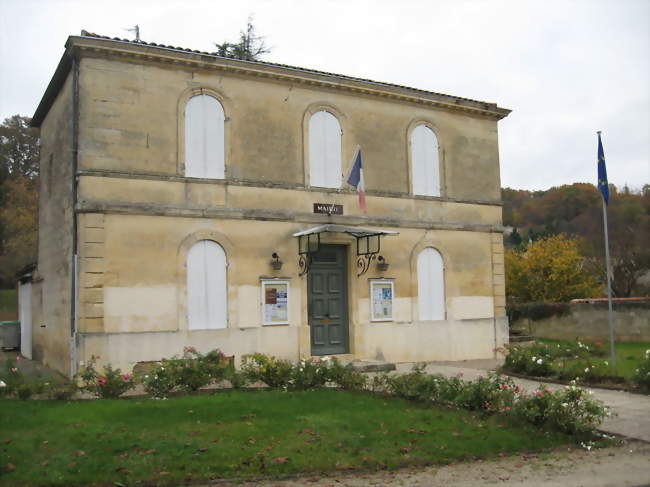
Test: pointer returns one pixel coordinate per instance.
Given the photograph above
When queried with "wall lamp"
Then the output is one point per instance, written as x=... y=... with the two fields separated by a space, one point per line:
x=382 y=264
x=276 y=263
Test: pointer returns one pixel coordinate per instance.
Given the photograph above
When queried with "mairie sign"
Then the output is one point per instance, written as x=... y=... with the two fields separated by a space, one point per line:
x=328 y=209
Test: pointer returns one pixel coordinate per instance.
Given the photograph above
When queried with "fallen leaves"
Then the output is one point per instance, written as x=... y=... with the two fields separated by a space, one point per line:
x=280 y=460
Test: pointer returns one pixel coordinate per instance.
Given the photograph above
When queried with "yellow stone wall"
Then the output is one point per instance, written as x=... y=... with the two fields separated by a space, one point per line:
x=137 y=213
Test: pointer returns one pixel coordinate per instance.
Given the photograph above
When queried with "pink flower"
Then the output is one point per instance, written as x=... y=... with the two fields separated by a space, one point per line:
x=504 y=387
x=598 y=344
x=460 y=374
x=190 y=349
x=517 y=389
x=126 y=377
x=101 y=381
x=548 y=389
x=14 y=369
x=17 y=358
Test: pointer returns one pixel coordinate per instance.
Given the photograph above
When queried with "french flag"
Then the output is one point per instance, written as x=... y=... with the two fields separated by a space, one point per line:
x=356 y=179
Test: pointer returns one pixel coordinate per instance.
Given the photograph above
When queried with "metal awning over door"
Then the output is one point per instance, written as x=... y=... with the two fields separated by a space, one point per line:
x=368 y=244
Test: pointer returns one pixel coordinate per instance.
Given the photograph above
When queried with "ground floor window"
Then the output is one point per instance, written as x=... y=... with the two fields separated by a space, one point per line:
x=207 y=292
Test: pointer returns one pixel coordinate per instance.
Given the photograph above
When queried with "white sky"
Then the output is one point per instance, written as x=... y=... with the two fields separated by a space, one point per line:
x=565 y=68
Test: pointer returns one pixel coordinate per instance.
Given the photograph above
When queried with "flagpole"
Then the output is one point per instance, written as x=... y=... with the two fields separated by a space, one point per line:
x=612 y=330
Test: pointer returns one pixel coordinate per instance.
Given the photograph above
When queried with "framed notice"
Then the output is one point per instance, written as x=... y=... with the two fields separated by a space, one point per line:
x=275 y=302
x=382 y=292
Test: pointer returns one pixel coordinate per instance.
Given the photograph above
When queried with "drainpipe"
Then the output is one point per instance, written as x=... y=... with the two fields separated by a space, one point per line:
x=74 y=259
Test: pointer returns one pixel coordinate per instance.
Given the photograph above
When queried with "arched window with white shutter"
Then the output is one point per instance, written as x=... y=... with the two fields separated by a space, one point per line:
x=207 y=292
x=325 y=168
x=431 y=285
x=204 y=138
x=425 y=162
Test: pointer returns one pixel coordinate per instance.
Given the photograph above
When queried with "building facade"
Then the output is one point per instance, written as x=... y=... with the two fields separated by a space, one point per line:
x=193 y=200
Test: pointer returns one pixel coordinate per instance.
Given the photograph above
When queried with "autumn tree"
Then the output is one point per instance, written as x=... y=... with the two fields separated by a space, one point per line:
x=550 y=269
x=250 y=46
x=19 y=162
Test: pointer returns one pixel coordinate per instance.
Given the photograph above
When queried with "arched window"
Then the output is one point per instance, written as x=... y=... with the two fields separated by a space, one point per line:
x=207 y=293
x=431 y=285
x=204 y=138
x=425 y=161
x=325 y=169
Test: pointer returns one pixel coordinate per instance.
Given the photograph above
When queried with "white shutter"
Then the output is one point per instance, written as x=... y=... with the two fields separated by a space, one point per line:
x=204 y=138
x=325 y=168
x=425 y=161
x=431 y=285
x=207 y=299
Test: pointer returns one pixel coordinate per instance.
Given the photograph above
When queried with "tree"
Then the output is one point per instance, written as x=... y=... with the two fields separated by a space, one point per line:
x=249 y=48
x=19 y=162
x=550 y=269
x=19 y=146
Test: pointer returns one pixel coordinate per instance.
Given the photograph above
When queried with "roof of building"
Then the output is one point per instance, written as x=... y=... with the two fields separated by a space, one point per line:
x=66 y=62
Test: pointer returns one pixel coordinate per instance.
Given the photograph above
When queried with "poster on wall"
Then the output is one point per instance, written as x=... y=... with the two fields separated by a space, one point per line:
x=275 y=302
x=381 y=299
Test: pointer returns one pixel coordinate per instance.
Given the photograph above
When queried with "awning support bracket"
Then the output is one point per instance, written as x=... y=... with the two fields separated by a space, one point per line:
x=368 y=245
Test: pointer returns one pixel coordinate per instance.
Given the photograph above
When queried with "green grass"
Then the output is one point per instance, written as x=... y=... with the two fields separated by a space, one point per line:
x=240 y=434
x=8 y=305
x=628 y=355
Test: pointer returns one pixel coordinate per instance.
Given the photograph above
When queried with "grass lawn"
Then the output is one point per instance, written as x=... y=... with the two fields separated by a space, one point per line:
x=239 y=434
x=8 y=305
x=628 y=355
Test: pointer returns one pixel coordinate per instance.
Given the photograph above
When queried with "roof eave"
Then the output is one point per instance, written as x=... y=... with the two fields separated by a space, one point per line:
x=53 y=88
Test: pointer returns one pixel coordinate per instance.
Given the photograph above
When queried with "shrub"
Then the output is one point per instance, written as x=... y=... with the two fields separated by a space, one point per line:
x=533 y=360
x=642 y=373
x=61 y=391
x=275 y=373
x=346 y=377
x=194 y=370
x=310 y=373
x=111 y=383
x=586 y=370
x=536 y=311
x=24 y=391
x=236 y=378
x=12 y=378
x=570 y=410
x=160 y=381
x=494 y=393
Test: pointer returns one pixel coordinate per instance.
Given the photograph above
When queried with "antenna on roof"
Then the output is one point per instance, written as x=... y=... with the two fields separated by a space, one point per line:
x=135 y=29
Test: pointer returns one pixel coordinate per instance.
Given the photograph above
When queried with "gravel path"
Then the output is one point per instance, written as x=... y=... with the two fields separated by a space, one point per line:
x=626 y=465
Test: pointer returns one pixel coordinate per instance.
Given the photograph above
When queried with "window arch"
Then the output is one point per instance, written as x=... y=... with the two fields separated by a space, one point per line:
x=325 y=167
x=431 y=285
x=207 y=292
x=204 y=137
x=425 y=161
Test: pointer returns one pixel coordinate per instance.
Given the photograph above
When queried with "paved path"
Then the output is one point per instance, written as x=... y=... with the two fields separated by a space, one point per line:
x=632 y=411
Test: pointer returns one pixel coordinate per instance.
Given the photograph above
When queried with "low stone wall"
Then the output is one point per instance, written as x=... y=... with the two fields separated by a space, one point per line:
x=589 y=321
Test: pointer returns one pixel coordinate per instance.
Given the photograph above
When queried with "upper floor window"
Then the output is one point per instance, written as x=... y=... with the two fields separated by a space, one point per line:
x=431 y=285
x=207 y=293
x=204 y=138
x=325 y=168
x=425 y=161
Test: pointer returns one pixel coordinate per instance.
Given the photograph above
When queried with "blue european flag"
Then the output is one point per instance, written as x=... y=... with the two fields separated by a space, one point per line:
x=602 y=172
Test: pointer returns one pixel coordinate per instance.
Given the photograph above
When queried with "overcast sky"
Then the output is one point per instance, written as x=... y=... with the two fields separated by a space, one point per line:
x=565 y=68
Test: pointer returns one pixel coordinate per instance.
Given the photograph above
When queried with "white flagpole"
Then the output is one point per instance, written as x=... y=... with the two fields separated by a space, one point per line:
x=612 y=329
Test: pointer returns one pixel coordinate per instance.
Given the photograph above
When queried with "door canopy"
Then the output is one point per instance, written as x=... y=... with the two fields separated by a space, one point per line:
x=368 y=244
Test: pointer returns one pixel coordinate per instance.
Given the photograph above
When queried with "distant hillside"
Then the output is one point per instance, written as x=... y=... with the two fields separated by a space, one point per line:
x=576 y=210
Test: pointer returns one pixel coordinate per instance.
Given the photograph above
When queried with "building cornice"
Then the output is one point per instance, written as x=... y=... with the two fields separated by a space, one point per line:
x=87 y=45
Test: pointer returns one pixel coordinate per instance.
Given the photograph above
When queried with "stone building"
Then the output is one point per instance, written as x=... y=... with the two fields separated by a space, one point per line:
x=191 y=199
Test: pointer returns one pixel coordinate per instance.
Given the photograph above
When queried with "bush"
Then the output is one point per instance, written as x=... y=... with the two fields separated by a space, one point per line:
x=310 y=373
x=24 y=391
x=160 y=381
x=12 y=378
x=346 y=377
x=111 y=383
x=194 y=370
x=494 y=393
x=586 y=370
x=236 y=378
x=570 y=410
x=536 y=311
x=61 y=391
x=275 y=373
x=642 y=373
x=533 y=360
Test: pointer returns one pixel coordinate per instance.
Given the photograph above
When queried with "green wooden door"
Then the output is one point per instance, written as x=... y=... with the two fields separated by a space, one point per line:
x=328 y=301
